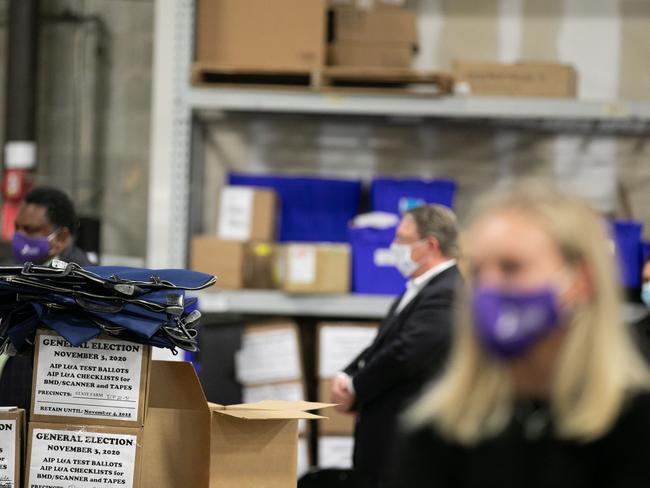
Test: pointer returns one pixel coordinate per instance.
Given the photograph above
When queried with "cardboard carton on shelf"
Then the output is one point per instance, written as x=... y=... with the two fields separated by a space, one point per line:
x=382 y=25
x=270 y=353
x=247 y=214
x=525 y=79
x=236 y=264
x=370 y=55
x=12 y=430
x=103 y=381
x=314 y=268
x=259 y=35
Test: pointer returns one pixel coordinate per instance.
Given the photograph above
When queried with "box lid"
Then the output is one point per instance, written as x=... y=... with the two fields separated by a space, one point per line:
x=271 y=410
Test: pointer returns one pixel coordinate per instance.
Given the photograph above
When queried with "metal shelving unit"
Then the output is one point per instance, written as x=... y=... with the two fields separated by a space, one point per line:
x=178 y=109
x=269 y=302
x=204 y=101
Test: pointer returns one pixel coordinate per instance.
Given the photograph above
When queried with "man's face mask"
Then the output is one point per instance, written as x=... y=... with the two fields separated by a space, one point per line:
x=645 y=293
x=31 y=249
x=403 y=260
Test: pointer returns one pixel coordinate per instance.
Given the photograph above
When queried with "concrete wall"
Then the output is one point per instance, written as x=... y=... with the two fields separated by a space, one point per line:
x=94 y=105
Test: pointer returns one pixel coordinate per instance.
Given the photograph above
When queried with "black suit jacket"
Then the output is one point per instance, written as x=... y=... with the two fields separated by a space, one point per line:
x=411 y=347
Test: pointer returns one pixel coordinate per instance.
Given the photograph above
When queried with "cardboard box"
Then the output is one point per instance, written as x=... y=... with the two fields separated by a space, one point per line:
x=270 y=353
x=335 y=452
x=382 y=24
x=314 y=268
x=188 y=442
x=176 y=441
x=282 y=35
x=292 y=391
x=60 y=456
x=516 y=80
x=339 y=343
x=255 y=445
x=102 y=381
x=336 y=423
x=12 y=429
x=236 y=264
x=247 y=214
x=370 y=55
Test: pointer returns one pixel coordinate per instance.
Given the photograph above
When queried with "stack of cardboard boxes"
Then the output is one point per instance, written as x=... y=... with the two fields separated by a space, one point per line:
x=338 y=344
x=104 y=414
x=12 y=433
x=382 y=36
x=87 y=412
x=244 y=253
x=258 y=35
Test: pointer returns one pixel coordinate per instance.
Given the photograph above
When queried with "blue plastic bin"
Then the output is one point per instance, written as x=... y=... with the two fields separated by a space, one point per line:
x=398 y=195
x=627 y=236
x=312 y=209
x=372 y=272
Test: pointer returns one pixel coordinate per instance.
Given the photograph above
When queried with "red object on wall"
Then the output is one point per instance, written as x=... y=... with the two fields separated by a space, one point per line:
x=15 y=186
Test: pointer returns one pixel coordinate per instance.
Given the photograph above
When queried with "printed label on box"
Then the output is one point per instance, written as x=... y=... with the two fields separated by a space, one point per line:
x=236 y=213
x=302 y=265
x=81 y=459
x=268 y=356
x=384 y=257
x=99 y=379
x=8 y=430
x=340 y=345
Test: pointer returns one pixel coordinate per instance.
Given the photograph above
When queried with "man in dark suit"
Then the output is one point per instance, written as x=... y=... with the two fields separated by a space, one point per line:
x=45 y=227
x=413 y=341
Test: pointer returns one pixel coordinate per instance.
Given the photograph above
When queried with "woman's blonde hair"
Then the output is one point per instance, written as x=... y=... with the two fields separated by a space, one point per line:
x=598 y=366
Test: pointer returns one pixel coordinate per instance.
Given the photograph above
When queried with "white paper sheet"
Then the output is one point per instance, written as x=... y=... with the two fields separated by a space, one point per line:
x=335 y=452
x=236 y=213
x=268 y=356
x=302 y=265
x=8 y=453
x=81 y=459
x=338 y=345
x=100 y=379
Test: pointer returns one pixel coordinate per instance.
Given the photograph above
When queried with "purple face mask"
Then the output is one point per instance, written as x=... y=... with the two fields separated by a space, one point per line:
x=509 y=323
x=30 y=249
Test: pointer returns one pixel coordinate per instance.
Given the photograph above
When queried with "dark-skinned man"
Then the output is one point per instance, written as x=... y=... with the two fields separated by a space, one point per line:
x=412 y=343
x=45 y=228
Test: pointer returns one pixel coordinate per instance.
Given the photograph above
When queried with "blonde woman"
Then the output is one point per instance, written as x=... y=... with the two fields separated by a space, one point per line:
x=544 y=387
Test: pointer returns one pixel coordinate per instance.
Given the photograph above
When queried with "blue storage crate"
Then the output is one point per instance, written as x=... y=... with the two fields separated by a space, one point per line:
x=645 y=251
x=312 y=209
x=398 y=195
x=373 y=272
x=627 y=237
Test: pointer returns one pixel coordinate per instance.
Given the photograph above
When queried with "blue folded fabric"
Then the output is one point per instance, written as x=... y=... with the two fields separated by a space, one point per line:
x=140 y=305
